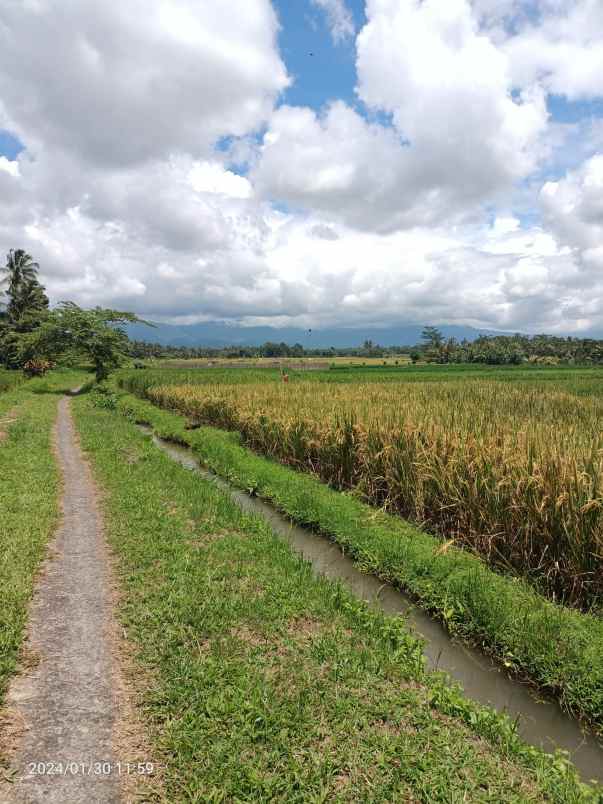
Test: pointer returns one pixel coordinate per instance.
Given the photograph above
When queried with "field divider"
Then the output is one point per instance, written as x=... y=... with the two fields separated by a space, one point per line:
x=557 y=648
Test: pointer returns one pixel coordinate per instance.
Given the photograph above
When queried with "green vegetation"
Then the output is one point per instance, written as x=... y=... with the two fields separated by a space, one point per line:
x=29 y=486
x=498 y=350
x=32 y=335
x=95 y=335
x=9 y=379
x=26 y=306
x=511 y=349
x=513 y=473
x=579 y=380
x=560 y=649
x=139 y=381
x=266 y=684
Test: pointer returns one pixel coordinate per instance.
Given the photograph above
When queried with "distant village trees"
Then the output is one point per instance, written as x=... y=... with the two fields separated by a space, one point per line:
x=31 y=332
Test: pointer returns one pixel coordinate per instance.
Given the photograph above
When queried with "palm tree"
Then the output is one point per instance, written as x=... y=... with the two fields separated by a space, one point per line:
x=22 y=286
x=30 y=299
x=19 y=268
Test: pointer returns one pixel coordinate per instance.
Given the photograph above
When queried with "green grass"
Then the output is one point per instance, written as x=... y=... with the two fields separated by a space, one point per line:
x=28 y=505
x=9 y=379
x=560 y=649
x=29 y=487
x=579 y=380
x=267 y=684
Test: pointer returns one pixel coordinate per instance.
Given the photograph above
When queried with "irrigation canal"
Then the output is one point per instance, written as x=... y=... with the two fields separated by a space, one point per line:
x=540 y=722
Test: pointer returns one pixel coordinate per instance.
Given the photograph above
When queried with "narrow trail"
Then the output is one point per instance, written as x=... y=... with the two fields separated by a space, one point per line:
x=65 y=708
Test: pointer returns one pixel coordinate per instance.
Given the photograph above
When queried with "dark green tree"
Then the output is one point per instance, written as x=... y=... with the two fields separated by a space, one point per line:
x=21 y=287
x=432 y=337
x=96 y=335
x=24 y=305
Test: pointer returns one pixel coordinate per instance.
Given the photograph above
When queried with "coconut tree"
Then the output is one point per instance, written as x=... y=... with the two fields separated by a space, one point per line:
x=25 y=307
x=22 y=287
x=20 y=267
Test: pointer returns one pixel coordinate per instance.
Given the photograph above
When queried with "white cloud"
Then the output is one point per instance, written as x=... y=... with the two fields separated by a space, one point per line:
x=10 y=167
x=573 y=209
x=120 y=83
x=122 y=198
x=339 y=18
x=561 y=48
x=459 y=138
x=340 y=165
x=210 y=177
x=448 y=88
x=214 y=256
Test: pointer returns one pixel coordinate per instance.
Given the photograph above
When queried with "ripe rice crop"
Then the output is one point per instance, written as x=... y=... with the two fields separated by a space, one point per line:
x=513 y=473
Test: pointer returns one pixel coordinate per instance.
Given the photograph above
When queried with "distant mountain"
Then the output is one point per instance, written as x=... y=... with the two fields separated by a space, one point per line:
x=217 y=334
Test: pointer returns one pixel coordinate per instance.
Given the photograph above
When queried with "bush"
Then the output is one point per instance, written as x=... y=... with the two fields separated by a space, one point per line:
x=37 y=368
x=103 y=397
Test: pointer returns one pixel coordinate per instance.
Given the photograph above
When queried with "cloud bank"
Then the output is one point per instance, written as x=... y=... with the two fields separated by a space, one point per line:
x=162 y=171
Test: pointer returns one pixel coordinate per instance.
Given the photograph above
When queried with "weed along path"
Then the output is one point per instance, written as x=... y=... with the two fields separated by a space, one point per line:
x=64 y=706
x=541 y=723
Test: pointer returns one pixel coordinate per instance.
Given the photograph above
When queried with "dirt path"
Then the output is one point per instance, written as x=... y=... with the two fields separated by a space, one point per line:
x=65 y=708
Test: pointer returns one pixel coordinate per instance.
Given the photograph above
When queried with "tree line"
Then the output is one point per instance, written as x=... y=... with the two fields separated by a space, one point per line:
x=509 y=349
x=144 y=349
x=433 y=348
x=32 y=336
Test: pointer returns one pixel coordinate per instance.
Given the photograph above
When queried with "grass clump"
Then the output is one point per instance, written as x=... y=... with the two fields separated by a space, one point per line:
x=268 y=684
x=10 y=379
x=29 y=486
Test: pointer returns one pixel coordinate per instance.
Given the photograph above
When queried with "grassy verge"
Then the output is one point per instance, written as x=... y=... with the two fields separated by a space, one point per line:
x=267 y=684
x=560 y=649
x=10 y=379
x=29 y=486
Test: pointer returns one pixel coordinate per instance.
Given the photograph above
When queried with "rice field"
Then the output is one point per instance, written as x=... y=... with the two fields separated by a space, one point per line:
x=510 y=470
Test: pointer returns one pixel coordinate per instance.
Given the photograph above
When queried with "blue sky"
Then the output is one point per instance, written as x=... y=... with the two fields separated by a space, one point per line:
x=10 y=147
x=324 y=71
x=330 y=73
x=564 y=111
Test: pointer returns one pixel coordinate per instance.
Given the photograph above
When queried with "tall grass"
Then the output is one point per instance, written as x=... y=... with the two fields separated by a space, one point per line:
x=9 y=379
x=513 y=473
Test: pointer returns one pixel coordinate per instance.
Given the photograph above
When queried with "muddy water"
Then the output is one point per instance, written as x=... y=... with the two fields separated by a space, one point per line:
x=540 y=723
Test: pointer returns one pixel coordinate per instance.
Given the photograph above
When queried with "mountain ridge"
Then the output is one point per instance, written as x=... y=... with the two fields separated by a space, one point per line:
x=216 y=334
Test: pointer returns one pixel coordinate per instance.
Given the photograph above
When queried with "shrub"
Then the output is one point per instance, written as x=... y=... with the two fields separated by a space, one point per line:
x=37 y=367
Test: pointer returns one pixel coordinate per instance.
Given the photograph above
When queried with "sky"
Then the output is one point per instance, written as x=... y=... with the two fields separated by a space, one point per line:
x=311 y=163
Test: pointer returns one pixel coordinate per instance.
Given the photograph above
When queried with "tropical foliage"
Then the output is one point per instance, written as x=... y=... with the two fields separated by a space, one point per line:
x=95 y=335
x=511 y=349
x=32 y=336
x=24 y=306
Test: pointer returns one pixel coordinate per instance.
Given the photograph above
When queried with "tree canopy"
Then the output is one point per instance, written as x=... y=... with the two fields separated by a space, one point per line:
x=20 y=286
x=30 y=331
x=94 y=334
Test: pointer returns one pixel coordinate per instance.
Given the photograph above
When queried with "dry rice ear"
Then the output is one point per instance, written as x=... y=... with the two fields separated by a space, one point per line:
x=514 y=474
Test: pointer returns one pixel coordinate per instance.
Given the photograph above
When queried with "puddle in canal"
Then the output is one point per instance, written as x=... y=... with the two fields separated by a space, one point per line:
x=540 y=723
